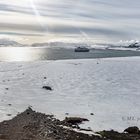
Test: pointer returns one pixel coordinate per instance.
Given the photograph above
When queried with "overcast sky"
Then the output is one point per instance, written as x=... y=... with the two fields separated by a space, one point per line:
x=99 y=20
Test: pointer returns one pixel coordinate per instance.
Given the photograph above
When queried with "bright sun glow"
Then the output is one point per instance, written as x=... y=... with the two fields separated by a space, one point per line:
x=16 y=54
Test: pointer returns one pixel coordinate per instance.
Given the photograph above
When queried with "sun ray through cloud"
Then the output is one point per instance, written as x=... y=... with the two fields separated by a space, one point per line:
x=38 y=17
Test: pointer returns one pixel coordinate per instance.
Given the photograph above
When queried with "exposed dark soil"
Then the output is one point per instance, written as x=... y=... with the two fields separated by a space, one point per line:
x=31 y=125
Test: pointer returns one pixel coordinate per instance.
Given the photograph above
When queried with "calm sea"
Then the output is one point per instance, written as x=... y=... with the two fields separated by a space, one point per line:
x=37 y=54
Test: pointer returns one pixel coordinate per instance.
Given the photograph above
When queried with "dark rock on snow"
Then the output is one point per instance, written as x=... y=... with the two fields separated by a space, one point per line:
x=91 y=114
x=74 y=120
x=47 y=87
x=132 y=130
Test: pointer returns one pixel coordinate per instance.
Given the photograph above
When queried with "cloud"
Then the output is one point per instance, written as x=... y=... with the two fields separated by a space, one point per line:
x=97 y=18
x=19 y=34
x=15 y=9
x=21 y=27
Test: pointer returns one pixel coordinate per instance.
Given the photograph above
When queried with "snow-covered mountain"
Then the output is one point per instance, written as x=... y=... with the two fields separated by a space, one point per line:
x=4 y=42
x=54 y=44
x=40 y=44
x=122 y=45
x=59 y=44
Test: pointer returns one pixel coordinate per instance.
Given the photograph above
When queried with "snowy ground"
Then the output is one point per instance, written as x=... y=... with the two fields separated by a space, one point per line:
x=109 y=88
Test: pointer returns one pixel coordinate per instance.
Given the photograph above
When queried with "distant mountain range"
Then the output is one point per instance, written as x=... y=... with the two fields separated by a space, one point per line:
x=7 y=42
x=11 y=43
x=58 y=44
x=4 y=42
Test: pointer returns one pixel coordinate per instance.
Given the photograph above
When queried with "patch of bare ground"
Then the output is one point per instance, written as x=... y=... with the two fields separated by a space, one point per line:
x=31 y=125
